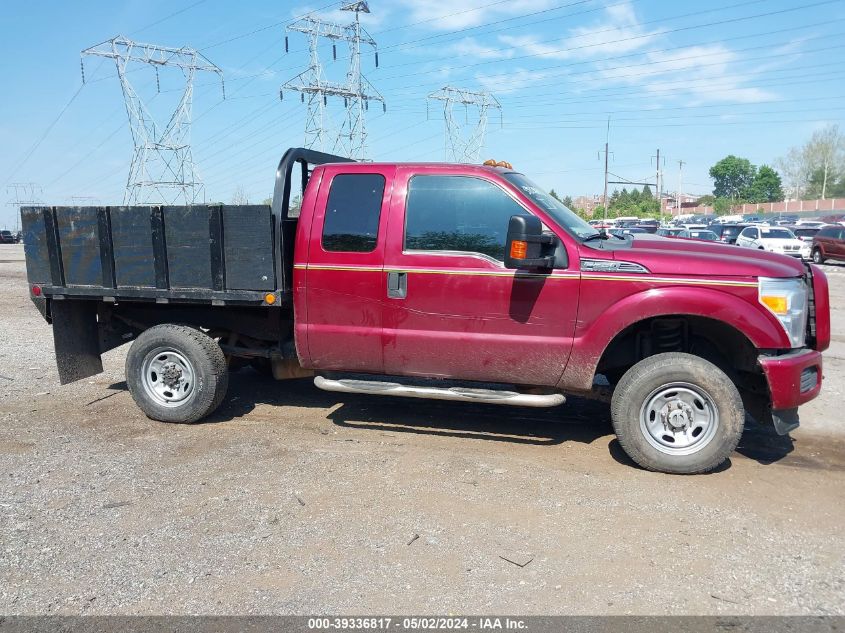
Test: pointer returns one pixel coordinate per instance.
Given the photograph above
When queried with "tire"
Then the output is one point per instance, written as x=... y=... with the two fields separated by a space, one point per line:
x=677 y=413
x=176 y=373
x=818 y=258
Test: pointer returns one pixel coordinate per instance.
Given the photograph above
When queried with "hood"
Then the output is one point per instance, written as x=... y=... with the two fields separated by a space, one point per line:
x=673 y=256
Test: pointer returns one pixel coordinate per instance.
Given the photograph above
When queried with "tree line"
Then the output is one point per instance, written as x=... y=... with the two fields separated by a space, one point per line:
x=810 y=171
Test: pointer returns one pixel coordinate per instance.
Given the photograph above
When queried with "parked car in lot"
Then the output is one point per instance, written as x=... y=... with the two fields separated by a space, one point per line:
x=775 y=239
x=810 y=224
x=443 y=281
x=698 y=234
x=670 y=231
x=7 y=237
x=623 y=232
x=829 y=243
x=649 y=226
x=727 y=233
x=804 y=233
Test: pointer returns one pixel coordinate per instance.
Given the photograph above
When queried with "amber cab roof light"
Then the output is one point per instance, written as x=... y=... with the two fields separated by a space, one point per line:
x=500 y=163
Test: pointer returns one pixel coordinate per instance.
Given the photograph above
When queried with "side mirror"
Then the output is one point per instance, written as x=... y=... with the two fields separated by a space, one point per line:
x=527 y=246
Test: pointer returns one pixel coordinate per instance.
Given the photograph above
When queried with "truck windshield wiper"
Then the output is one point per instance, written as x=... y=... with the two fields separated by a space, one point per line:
x=601 y=235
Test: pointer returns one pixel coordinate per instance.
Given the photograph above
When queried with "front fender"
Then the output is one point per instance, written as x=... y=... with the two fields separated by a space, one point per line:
x=742 y=313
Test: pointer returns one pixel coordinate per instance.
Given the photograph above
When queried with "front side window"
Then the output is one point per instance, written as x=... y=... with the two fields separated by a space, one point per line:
x=352 y=213
x=458 y=213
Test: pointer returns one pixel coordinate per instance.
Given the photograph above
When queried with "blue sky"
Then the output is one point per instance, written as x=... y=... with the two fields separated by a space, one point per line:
x=697 y=80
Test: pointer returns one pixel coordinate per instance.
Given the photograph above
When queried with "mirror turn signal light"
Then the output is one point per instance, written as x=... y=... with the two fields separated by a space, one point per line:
x=519 y=249
x=270 y=298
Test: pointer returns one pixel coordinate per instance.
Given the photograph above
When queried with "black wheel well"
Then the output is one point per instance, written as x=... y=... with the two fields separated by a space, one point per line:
x=713 y=340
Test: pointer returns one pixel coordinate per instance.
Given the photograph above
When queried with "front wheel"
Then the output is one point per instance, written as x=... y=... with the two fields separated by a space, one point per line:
x=677 y=413
x=176 y=373
x=818 y=258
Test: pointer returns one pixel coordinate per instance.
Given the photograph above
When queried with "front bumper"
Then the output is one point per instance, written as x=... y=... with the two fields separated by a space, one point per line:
x=794 y=378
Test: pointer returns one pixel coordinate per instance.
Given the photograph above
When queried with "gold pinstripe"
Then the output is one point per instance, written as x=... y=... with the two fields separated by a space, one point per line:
x=573 y=275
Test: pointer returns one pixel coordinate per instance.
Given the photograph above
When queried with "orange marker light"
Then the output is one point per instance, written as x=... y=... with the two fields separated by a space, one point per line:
x=269 y=298
x=519 y=249
x=775 y=304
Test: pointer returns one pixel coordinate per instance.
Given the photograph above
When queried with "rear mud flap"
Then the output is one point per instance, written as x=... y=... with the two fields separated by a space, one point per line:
x=76 y=339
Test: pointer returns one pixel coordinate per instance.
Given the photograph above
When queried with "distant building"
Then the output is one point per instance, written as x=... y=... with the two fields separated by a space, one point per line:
x=588 y=203
x=669 y=204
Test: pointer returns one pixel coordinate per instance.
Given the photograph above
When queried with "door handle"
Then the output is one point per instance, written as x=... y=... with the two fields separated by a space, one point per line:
x=397 y=285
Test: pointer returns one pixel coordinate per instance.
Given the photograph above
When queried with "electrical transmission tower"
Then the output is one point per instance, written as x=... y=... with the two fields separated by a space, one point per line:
x=24 y=194
x=315 y=89
x=162 y=168
x=461 y=146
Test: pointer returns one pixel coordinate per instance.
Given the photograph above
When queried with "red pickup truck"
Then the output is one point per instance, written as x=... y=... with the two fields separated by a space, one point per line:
x=444 y=281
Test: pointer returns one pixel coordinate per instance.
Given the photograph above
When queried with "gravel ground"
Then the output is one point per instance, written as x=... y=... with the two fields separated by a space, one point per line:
x=292 y=500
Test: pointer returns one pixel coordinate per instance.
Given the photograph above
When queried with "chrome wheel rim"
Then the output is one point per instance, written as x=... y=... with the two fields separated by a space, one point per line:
x=679 y=418
x=167 y=377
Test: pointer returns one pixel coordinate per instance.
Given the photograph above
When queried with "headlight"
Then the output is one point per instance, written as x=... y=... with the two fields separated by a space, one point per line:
x=787 y=300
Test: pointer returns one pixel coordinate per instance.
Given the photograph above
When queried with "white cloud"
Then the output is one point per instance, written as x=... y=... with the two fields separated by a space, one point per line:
x=460 y=14
x=517 y=80
x=618 y=32
x=704 y=73
x=469 y=48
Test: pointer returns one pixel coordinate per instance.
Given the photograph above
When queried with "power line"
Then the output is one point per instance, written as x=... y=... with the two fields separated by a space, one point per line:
x=169 y=16
x=40 y=140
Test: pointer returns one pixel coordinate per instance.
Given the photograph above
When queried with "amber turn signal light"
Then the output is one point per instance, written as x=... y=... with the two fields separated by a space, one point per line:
x=269 y=298
x=775 y=303
x=519 y=249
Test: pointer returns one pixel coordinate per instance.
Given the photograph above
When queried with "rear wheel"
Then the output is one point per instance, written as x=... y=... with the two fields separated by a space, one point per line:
x=176 y=373
x=818 y=258
x=677 y=413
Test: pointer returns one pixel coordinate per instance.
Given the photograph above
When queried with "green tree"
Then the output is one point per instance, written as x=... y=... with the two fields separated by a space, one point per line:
x=766 y=186
x=567 y=202
x=825 y=153
x=722 y=206
x=732 y=177
x=646 y=192
x=813 y=168
x=554 y=195
x=707 y=200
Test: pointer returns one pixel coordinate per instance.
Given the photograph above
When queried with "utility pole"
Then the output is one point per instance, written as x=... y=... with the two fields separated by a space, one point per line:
x=162 y=169
x=356 y=91
x=604 y=197
x=680 y=176
x=461 y=148
x=606 y=152
x=657 y=182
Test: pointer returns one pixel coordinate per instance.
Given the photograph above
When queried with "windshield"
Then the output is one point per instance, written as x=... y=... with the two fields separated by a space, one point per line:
x=776 y=234
x=704 y=235
x=562 y=215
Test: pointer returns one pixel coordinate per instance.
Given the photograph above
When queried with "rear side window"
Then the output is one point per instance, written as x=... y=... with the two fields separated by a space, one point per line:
x=458 y=213
x=352 y=213
x=830 y=231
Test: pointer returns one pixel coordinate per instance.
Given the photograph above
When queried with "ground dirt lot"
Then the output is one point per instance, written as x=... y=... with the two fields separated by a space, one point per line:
x=292 y=500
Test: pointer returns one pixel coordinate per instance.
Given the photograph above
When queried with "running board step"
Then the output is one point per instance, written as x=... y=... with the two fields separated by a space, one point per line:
x=461 y=394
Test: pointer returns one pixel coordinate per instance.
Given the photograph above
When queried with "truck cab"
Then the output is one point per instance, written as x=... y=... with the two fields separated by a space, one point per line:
x=460 y=282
